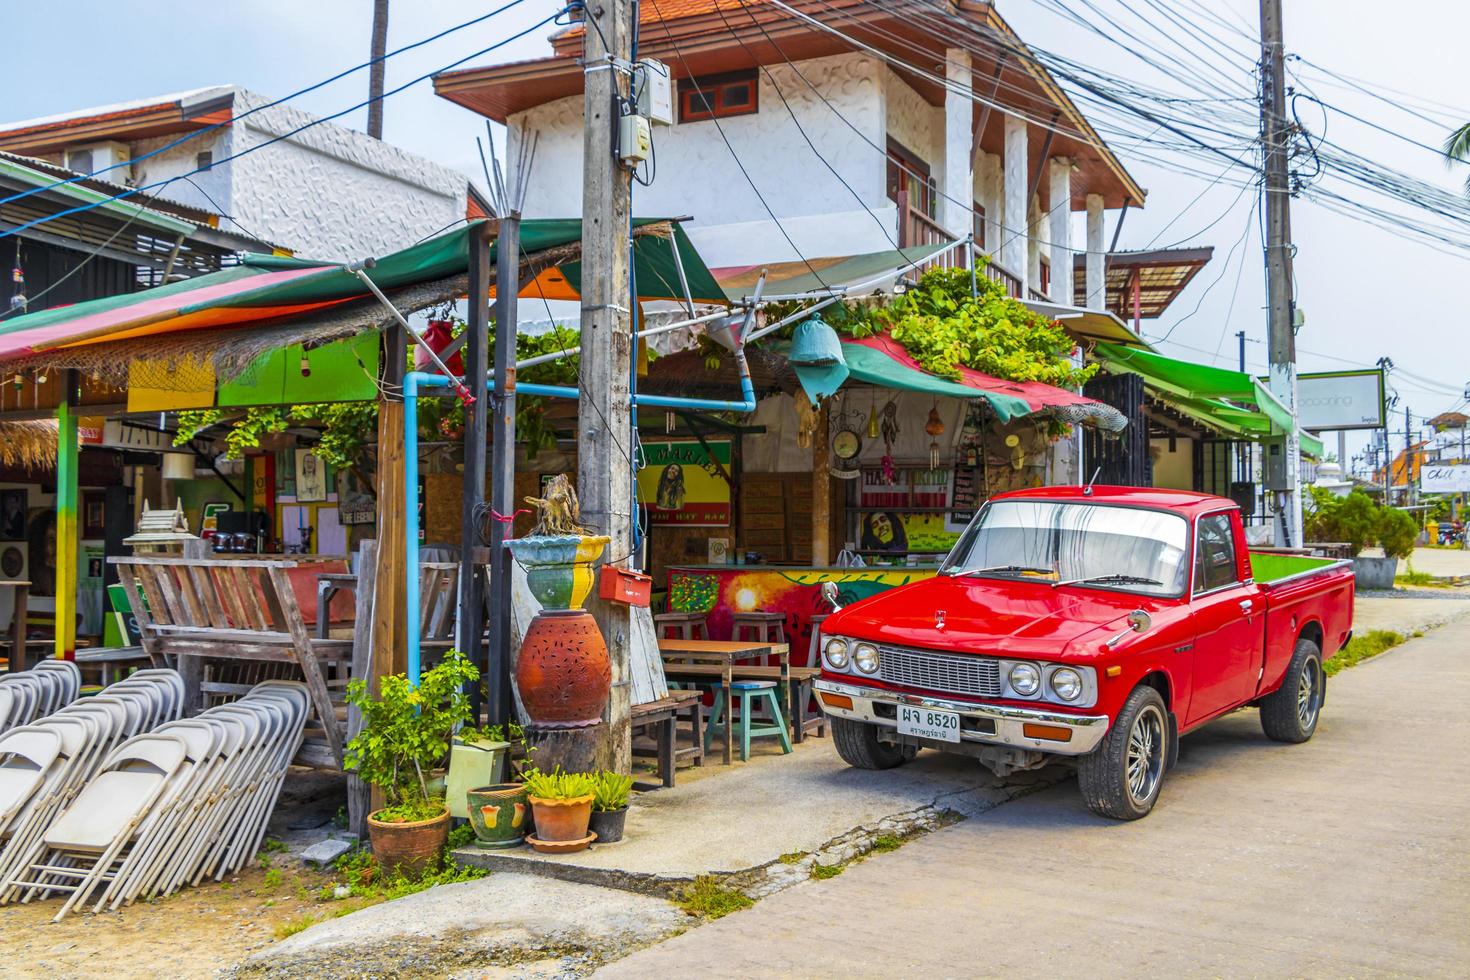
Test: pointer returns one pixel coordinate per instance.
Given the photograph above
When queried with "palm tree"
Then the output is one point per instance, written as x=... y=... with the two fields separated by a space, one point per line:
x=1457 y=148
x=375 y=72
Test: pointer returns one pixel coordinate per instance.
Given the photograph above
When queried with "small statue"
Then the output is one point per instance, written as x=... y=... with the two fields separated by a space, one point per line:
x=558 y=512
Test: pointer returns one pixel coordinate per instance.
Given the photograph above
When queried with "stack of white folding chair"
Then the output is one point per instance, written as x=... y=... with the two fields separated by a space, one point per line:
x=171 y=807
x=35 y=693
x=43 y=765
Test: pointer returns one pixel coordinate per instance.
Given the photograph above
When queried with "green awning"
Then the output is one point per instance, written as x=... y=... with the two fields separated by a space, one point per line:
x=819 y=275
x=1232 y=402
x=133 y=213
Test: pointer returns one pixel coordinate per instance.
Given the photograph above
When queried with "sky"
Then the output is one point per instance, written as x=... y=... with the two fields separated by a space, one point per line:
x=1365 y=293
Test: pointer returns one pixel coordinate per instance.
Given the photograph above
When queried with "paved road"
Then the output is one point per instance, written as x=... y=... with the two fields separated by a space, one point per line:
x=1347 y=856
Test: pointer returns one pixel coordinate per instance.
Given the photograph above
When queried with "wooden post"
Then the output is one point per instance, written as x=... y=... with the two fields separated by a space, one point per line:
x=359 y=795
x=821 y=492
x=389 y=640
x=476 y=371
x=503 y=459
x=604 y=438
x=68 y=458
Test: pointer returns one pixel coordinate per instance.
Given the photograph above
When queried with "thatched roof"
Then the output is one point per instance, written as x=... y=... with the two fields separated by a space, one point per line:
x=29 y=444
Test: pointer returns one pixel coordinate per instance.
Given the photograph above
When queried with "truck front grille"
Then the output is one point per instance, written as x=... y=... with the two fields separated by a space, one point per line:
x=951 y=673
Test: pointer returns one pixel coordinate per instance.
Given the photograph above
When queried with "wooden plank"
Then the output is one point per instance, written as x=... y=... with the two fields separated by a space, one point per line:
x=390 y=655
x=228 y=591
x=204 y=588
x=167 y=588
x=358 y=794
x=284 y=599
x=249 y=598
x=193 y=604
x=275 y=600
x=221 y=562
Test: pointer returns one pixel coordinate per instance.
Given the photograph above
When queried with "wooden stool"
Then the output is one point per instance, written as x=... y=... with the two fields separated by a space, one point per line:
x=766 y=627
x=814 y=648
x=681 y=626
x=662 y=717
x=752 y=694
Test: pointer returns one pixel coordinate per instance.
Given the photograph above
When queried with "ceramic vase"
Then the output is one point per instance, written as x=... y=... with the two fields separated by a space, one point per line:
x=500 y=814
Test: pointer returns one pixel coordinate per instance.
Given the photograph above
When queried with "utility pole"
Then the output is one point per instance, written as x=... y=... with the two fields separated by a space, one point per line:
x=376 y=69
x=1408 y=458
x=1278 y=260
x=604 y=453
x=1240 y=336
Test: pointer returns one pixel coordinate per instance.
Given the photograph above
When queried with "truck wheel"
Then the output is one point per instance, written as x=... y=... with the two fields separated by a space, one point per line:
x=857 y=743
x=1121 y=777
x=1290 y=713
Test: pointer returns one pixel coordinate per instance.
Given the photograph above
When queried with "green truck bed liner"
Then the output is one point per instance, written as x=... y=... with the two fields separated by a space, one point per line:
x=1268 y=568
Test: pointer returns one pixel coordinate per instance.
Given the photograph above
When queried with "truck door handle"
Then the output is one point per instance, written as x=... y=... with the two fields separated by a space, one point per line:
x=1246 y=605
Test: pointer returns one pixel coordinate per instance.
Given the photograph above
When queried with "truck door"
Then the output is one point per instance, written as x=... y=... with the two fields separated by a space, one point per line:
x=1227 y=615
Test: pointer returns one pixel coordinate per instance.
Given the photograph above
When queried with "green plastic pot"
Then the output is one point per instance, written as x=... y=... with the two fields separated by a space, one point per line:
x=472 y=765
x=500 y=814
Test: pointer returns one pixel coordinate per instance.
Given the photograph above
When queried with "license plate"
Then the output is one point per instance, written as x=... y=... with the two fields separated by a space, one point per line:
x=929 y=723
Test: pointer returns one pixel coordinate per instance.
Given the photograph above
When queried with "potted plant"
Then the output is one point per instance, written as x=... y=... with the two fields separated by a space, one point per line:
x=1359 y=521
x=405 y=735
x=610 y=806
x=500 y=813
x=561 y=805
x=476 y=758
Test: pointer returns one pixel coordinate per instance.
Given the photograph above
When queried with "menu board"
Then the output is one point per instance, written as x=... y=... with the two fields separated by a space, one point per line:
x=964 y=497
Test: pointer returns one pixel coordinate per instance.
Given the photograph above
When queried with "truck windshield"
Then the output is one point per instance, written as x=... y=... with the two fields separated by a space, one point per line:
x=1088 y=545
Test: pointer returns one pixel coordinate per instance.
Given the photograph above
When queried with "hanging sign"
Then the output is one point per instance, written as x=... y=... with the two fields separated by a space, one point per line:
x=680 y=483
x=1332 y=400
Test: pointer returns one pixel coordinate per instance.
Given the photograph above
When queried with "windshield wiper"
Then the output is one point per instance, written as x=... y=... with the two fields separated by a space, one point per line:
x=1002 y=568
x=1118 y=578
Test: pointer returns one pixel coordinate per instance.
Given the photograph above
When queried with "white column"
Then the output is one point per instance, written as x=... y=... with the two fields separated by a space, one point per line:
x=1059 y=230
x=992 y=198
x=959 y=108
x=1012 y=238
x=1096 y=272
x=1035 y=229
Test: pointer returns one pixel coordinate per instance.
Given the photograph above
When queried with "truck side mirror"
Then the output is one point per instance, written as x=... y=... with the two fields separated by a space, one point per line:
x=828 y=591
x=1139 y=621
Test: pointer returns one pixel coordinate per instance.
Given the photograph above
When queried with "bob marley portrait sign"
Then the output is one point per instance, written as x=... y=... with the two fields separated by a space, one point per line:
x=681 y=484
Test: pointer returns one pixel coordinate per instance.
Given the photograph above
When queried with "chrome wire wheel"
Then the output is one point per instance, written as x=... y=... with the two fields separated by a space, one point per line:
x=1145 y=759
x=1309 y=694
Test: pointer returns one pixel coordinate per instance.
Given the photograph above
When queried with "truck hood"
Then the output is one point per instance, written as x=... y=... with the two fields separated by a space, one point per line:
x=989 y=615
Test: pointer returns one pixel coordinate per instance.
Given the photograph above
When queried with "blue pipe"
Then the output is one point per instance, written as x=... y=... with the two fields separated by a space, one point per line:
x=414 y=380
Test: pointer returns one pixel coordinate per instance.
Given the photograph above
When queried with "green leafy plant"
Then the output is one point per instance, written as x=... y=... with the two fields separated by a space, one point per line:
x=611 y=791
x=1397 y=532
x=1359 y=521
x=406 y=732
x=706 y=898
x=558 y=785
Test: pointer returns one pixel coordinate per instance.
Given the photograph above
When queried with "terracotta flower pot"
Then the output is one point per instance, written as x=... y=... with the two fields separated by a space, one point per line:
x=562 y=820
x=563 y=672
x=500 y=814
x=608 y=824
x=408 y=849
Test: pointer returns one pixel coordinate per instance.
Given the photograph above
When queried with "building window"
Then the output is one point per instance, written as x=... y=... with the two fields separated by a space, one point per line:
x=204 y=160
x=909 y=176
x=979 y=225
x=1045 y=285
x=712 y=96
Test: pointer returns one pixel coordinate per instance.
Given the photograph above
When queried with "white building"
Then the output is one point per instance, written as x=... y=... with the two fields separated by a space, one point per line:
x=326 y=192
x=851 y=151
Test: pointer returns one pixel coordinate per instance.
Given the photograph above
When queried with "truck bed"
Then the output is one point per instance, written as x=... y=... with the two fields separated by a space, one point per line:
x=1302 y=591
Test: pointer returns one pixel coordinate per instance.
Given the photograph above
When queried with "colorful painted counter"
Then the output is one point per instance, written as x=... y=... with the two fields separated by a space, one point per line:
x=721 y=590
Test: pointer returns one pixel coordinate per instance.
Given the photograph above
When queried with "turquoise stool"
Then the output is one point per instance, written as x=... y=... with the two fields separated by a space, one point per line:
x=751 y=695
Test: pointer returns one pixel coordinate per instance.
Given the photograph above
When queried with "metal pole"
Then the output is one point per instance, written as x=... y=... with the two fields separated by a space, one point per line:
x=1408 y=458
x=476 y=368
x=503 y=463
x=1278 y=257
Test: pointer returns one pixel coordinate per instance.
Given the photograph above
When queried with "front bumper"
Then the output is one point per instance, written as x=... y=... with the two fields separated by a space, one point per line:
x=986 y=724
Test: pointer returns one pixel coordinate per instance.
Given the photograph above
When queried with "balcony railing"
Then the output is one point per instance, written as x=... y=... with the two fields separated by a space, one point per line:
x=916 y=229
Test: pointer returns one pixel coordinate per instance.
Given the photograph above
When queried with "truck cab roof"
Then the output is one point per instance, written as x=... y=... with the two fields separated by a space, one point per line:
x=1189 y=502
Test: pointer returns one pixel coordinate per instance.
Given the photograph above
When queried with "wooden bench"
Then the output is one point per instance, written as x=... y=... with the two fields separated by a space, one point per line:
x=799 y=691
x=201 y=611
x=663 y=717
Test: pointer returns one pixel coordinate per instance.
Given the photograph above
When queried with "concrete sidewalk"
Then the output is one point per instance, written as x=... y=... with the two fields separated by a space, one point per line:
x=1346 y=856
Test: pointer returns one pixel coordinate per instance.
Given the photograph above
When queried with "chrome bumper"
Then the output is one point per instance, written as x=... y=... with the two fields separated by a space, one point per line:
x=1087 y=730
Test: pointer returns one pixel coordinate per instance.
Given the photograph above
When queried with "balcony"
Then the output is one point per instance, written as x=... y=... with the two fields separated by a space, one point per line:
x=916 y=229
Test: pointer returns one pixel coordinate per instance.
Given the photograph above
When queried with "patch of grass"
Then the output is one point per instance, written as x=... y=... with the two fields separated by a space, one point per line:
x=792 y=857
x=884 y=843
x=273 y=878
x=706 y=898
x=1360 y=648
x=1411 y=577
x=359 y=871
x=822 y=872
x=296 y=925
x=272 y=846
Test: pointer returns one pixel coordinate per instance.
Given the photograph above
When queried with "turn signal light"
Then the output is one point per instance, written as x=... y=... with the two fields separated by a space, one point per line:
x=837 y=700
x=1054 y=733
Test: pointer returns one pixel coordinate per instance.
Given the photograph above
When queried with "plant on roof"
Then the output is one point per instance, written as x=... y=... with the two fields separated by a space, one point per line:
x=406 y=732
x=944 y=327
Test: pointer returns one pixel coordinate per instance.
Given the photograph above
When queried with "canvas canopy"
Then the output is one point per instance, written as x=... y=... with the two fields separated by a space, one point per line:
x=1231 y=402
x=820 y=276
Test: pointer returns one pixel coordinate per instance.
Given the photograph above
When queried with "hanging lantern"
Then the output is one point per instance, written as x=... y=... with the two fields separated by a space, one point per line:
x=873 y=421
x=935 y=428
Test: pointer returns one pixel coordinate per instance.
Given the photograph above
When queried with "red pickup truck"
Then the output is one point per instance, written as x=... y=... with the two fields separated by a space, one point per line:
x=1098 y=623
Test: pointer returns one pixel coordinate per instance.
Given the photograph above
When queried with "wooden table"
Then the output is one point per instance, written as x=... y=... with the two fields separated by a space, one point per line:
x=725 y=654
x=22 y=593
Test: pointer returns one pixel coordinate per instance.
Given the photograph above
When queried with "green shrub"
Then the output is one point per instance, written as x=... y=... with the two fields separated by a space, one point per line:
x=611 y=791
x=1397 y=532
x=1360 y=521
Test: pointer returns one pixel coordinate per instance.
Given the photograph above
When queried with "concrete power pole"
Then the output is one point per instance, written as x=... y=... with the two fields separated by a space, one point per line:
x=604 y=450
x=376 y=70
x=1278 y=258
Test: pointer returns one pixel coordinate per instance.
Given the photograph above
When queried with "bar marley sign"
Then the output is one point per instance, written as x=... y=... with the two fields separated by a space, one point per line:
x=681 y=483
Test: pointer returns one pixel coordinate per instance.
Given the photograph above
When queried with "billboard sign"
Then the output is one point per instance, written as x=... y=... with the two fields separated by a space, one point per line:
x=1434 y=478
x=682 y=483
x=1333 y=400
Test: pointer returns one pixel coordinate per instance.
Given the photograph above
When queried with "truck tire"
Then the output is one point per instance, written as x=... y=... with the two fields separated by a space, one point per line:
x=1121 y=777
x=857 y=743
x=1290 y=713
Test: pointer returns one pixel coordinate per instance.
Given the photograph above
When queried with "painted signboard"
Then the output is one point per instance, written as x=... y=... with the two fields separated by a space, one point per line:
x=1434 y=478
x=1331 y=400
x=681 y=483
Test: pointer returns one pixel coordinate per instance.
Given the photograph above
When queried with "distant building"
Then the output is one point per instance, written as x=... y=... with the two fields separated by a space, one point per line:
x=327 y=192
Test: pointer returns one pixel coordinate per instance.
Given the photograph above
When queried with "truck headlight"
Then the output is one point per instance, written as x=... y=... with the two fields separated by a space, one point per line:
x=865 y=658
x=834 y=651
x=1025 y=679
x=1066 y=683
